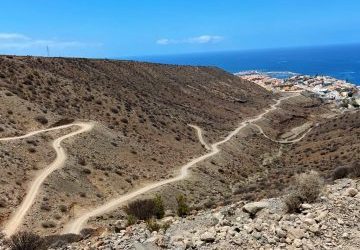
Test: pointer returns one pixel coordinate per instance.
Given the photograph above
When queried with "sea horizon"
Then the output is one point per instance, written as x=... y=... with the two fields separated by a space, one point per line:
x=338 y=61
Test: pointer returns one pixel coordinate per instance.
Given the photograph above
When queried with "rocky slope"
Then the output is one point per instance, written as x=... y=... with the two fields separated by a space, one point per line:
x=330 y=223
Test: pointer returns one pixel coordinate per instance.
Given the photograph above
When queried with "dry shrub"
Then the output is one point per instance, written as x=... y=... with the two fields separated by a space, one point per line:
x=355 y=169
x=147 y=208
x=293 y=203
x=41 y=119
x=306 y=188
x=340 y=172
x=142 y=209
x=25 y=241
x=48 y=224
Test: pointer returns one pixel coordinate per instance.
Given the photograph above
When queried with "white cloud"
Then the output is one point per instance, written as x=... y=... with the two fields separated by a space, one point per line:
x=20 y=41
x=203 y=39
x=163 y=41
x=206 y=39
x=12 y=36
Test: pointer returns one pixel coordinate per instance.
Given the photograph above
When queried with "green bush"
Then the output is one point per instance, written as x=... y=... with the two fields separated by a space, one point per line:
x=131 y=220
x=152 y=225
x=159 y=207
x=183 y=208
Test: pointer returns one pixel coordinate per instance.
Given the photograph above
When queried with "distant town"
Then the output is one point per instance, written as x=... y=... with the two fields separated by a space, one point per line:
x=342 y=93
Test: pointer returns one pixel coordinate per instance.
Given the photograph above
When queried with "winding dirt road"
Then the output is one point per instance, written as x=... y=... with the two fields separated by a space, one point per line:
x=282 y=141
x=77 y=224
x=18 y=216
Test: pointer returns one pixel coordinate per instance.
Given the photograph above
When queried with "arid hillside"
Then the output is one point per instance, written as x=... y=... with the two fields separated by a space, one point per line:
x=141 y=114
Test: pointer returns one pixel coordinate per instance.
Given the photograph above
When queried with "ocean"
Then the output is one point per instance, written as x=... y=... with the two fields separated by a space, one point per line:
x=341 y=61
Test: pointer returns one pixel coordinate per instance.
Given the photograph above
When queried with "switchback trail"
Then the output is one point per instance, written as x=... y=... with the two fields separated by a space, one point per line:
x=78 y=223
x=282 y=141
x=200 y=136
x=17 y=218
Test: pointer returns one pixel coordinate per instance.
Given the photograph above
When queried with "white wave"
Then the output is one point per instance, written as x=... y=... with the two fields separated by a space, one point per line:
x=248 y=72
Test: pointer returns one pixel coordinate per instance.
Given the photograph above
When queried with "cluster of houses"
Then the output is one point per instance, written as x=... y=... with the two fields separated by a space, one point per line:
x=341 y=92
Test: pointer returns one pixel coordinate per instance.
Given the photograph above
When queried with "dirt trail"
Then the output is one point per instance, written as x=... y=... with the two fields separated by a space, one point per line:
x=17 y=218
x=200 y=136
x=77 y=224
x=282 y=141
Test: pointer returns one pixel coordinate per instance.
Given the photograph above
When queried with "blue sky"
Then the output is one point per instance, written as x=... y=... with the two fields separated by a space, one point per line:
x=119 y=28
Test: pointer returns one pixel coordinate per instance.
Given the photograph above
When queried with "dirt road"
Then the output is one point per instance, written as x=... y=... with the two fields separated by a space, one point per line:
x=78 y=223
x=17 y=218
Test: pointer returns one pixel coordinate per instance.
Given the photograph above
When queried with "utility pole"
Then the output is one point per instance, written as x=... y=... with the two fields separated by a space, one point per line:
x=48 y=51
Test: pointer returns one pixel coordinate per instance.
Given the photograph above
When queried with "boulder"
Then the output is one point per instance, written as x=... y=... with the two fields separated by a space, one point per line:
x=254 y=207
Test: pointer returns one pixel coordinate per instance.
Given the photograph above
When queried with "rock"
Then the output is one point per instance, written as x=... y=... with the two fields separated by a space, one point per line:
x=321 y=216
x=237 y=241
x=225 y=222
x=314 y=228
x=214 y=221
x=248 y=228
x=176 y=238
x=197 y=242
x=258 y=227
x=208 y=236
x=296 y=233
x=254 y=207
x=306 y=206
x=309 y=221
x=120 y=225
x=169 y=213
x=257 y=235
x=168 y=219
x=340 y=221
x=297 y=243
x=351 y=192
x=345 y=235
x=280 y=233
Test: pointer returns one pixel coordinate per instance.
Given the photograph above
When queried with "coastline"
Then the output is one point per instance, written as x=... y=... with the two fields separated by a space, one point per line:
x=339 y=92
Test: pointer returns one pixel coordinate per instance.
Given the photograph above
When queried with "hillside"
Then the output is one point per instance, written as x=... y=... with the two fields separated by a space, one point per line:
x=249 y=142
x=142 y=113
x=329 y=223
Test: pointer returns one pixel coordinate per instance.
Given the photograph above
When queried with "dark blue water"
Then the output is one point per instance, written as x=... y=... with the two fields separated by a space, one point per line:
x=342 y=62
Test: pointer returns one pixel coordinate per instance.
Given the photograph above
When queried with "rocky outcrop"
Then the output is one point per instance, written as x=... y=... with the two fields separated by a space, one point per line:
x=330 y=223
